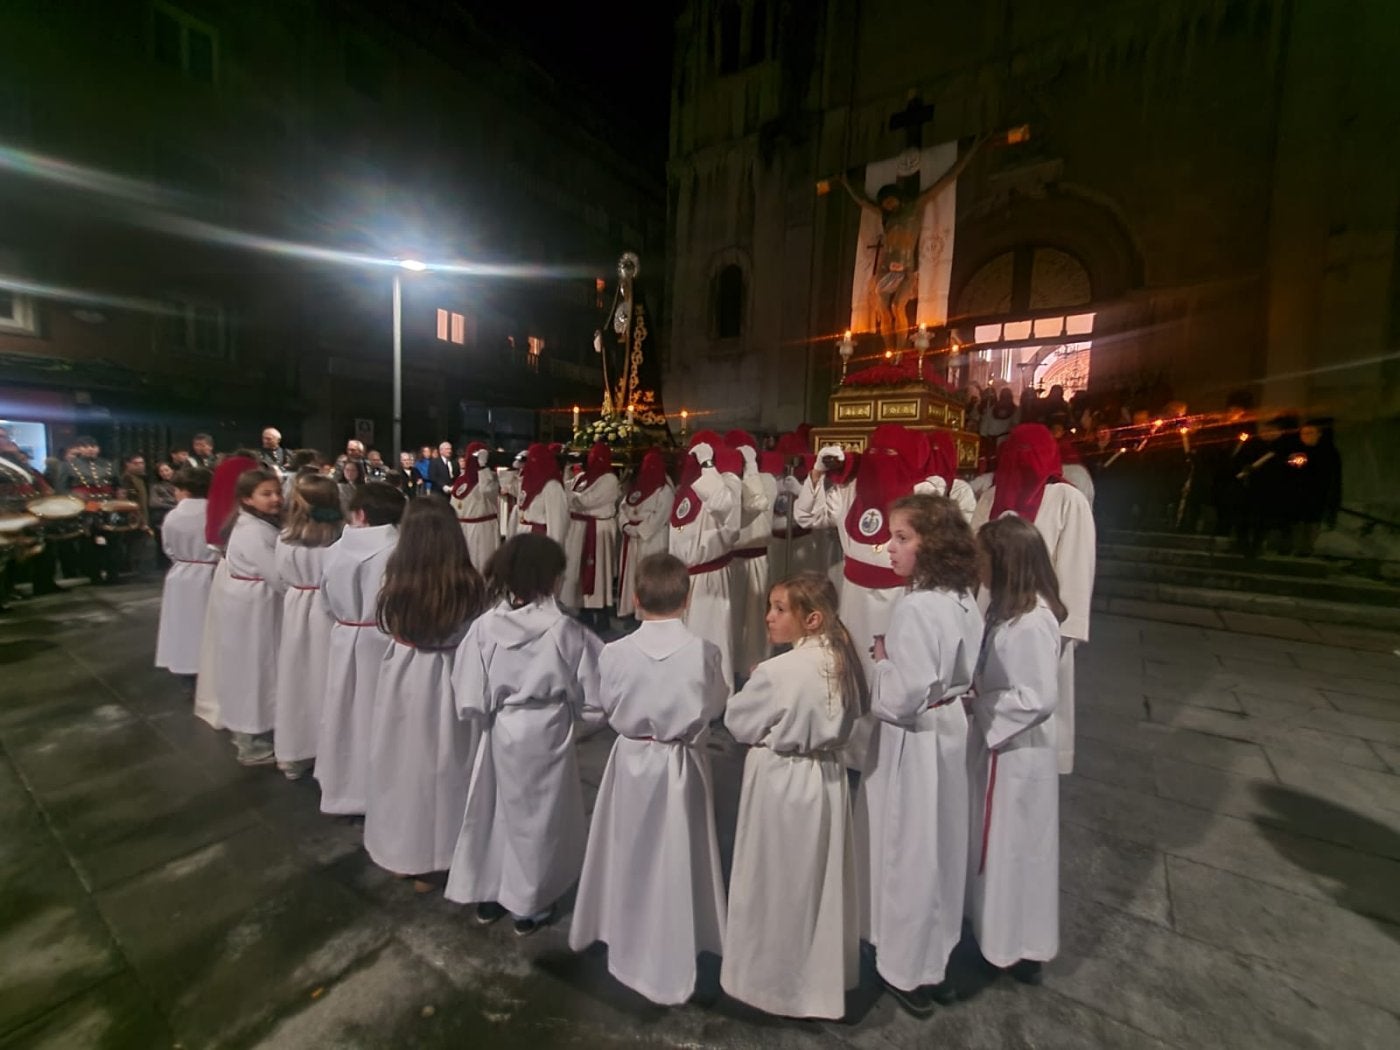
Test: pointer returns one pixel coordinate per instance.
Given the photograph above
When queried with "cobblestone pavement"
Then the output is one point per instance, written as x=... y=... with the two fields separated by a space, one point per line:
x=1230 y=873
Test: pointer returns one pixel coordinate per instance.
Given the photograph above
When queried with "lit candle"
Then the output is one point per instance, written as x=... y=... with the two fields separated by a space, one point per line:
x=685 y=422
x=629 y=415
x=1185 y=440
x=576 y=418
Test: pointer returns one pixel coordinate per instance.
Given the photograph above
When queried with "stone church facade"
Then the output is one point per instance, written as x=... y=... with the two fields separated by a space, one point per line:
x=1211 y=182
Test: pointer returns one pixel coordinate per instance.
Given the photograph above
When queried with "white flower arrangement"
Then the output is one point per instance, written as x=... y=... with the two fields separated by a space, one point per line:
x=615 y=430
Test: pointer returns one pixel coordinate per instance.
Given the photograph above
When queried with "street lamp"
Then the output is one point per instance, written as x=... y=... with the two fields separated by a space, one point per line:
x=413 y=266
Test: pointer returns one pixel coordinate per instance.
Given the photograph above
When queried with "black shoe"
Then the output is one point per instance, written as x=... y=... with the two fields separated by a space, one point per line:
x=1027 y=971
x=488 y=912
x=918 y=1001
x=944 y=992
x=525 y=927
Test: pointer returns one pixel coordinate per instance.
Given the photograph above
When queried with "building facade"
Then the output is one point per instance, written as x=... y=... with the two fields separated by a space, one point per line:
x=1207 y=200
x=164 y=164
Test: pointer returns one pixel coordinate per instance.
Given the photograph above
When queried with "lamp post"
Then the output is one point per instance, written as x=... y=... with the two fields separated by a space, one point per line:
x=413 y=266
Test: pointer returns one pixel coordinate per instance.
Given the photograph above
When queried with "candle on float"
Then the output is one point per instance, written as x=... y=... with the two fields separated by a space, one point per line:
x=685 y=421
x=576 y=417
x=1185 y=439
x=629 y=415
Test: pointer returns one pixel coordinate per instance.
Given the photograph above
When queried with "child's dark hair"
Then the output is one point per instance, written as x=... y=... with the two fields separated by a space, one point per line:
x=525 y=569
x=194 y=480
x=1020 y=569
x=813 y=592
x=307 y=457
x=663 y=584
x=314 y=517
x=431 y=589
x=947 y=555
x=249 y=481
x=381 y=503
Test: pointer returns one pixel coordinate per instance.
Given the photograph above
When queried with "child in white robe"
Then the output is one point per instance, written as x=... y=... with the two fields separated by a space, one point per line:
x=524 y=672
x=185 y=594
x=351 y=574
x=704 y=528
x=791 y=942
x=476 y=497
x=651 y=886
x=1029 y=481
x=314 y=522
x=644 y=515
x=420 y=755
x=911 y=812
x=1014 y=863
x=249 y=619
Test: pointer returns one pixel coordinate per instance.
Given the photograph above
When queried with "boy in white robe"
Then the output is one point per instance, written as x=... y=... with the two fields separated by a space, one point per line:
x=749 y=570
x=644 y=514
x=352 y=573
x=476 y=498
x=704 y=528
x=185 y=594
x=524 y=671
x=651 y=886
x=1029 y=482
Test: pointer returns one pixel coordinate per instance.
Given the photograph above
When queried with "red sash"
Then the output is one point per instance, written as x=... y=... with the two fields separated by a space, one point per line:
x=477 y=521
x=711 y=566
x=987 y=812
x=535 y=526
x=749 y=553
x=357 y=623
x=588 y=567
x=875 y=577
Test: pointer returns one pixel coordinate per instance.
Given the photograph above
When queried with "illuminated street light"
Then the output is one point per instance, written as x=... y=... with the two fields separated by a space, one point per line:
x=413 y=266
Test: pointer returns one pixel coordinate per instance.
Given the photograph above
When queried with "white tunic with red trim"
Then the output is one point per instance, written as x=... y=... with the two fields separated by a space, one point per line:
x=749 y=570
x=645 y=525
x=478 y=512
x=250 y=625
x=303 y=652
x=351 y=575
x=1066 y=522
x=548 y=513
x=596 y=501
x=911 y=811
x=709 y=516
x=185 y=594
x=1013 y=888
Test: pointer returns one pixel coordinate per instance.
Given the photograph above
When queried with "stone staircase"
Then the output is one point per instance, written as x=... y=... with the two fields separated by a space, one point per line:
x=1202 y=572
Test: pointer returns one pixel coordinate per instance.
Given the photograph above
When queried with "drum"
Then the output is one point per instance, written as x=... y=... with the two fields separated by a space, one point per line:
x=60 y=517
x=117 y=515
x=20 y=536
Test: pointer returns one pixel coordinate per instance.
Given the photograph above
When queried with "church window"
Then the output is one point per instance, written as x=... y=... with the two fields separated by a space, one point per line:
x=534 y=352
x=17 y=314
x=729 y=302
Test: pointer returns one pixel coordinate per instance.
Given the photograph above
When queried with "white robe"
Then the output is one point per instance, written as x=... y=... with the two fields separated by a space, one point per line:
x=645 y=530
x=479 y=515
x=550 y=509
x=598 y=500
x=525 y=674
x=351 y=575
x=749 y=570
x=911 y=812
x=185 y=595
x=509 y=481
x=1013 y=899
x=651 y=887
x=303 y=652
x=420 y=760
x=791 y=943
x=708 y=538
x=250 y=626
x=1066 y=523
x=206 y=688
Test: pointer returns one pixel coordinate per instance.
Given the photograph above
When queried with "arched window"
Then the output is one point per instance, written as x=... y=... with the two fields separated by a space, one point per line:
x=727 y=295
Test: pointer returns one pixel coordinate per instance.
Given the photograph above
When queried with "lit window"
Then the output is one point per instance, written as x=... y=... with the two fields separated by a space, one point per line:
x=17 y=314
x=451 y=326
x=184 y=43
x=442 y=324
x=1079 y=324
x=536 y=348
x=987 y=333
x=1048 y=327
x=1017 y=330
x=599 y=287
x=459 y=329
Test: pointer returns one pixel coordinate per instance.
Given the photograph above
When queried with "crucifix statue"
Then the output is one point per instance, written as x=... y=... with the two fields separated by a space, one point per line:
x=900 y=208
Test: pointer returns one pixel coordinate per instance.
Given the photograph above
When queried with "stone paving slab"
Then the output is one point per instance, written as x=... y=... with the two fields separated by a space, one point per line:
x=1230 y=849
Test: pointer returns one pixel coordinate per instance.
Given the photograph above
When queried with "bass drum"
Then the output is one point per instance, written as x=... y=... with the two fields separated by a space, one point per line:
x=117 y=515
x=19 y=537
x=60 y=517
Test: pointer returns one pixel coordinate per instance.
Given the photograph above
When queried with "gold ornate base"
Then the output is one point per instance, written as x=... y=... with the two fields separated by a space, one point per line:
x=857 y=411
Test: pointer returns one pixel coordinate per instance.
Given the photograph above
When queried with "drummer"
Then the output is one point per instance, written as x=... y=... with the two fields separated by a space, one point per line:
x=93 y=478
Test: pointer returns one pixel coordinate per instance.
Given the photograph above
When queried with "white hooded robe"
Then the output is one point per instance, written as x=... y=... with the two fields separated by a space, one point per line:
x=302 y=653
x=185 y=594
x=645 y=530
x=478 y=512
x=250 y=627
x=597 y=500
x=708 y=540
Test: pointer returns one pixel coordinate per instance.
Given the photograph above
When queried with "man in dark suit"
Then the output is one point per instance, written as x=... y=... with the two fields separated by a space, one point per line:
x=442 y=470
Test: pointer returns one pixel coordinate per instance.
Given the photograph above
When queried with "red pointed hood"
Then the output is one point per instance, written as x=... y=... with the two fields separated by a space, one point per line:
x=893 y=463
x=1027 y=461
x=541 y=467
x=651 y=475
x=462 y=487
x=599 y=463
x=740 y=439
x=942 y=458
x=773 y=463
x=222 y=507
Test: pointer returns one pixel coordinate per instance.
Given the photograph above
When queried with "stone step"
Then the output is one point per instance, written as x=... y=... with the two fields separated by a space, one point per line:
x=1315 y=610
x=1356 y=590
x=1187 y=558
x=1165 y=540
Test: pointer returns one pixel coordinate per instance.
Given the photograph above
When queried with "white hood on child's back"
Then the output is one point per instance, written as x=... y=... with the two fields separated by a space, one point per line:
x=362 y=544
x=659 y=639
x=514 y=628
